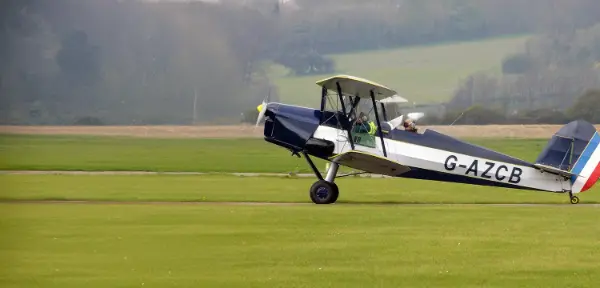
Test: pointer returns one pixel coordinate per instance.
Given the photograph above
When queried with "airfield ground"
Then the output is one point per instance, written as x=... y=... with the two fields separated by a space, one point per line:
x=244 y=131
x=368 y=239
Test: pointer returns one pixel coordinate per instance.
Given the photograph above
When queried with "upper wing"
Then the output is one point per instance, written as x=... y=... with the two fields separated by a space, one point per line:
x=356 y=86
x=370 y=163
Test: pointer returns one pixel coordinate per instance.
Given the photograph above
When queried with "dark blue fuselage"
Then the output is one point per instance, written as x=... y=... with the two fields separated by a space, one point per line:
x=292 y=127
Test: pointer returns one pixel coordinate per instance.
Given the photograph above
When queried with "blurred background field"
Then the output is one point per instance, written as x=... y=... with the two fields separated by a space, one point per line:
x=424 y=75
x=97 y=153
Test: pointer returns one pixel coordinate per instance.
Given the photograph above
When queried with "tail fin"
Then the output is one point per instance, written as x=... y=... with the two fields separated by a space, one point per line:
x=575 y=148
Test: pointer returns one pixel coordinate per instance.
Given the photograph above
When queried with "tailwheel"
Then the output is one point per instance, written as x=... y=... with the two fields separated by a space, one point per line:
x=574 y=199
x=323 y=192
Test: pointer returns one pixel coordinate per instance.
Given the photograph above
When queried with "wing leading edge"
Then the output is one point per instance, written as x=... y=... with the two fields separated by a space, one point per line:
x=370 y=163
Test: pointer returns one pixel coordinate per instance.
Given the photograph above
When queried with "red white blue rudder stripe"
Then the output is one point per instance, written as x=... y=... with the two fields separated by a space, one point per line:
x=587 y=167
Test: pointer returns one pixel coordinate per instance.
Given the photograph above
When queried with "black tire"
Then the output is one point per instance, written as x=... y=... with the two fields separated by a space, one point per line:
x=574 y=200
x=323 y=192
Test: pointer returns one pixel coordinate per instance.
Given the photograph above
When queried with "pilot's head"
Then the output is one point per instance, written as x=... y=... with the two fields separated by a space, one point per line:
x=409 y=124
x=362 y=117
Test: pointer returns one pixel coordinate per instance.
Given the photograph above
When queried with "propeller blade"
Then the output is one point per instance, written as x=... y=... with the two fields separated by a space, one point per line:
x=262 y=108
x=261 y=112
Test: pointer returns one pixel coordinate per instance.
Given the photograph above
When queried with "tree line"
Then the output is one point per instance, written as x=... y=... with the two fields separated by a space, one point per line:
x=555 y=72
x=585 y=107
x=139 y=62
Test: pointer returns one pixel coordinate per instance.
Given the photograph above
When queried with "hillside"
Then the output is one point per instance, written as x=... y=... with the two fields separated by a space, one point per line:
x=423 y=74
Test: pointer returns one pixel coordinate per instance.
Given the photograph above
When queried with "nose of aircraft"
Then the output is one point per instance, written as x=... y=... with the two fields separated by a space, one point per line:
x=287 y=125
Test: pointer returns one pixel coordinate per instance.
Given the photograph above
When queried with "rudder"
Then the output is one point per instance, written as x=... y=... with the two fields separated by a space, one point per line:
x=575 y=148
x=587 y=167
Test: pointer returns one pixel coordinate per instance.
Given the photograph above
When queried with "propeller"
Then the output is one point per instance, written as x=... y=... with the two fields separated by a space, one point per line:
x=262 y=108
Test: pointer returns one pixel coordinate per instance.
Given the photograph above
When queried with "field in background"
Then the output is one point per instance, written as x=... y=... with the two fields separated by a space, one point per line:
x=103 y=153
x=224 y=149
x=427 y=74
x=246 y=131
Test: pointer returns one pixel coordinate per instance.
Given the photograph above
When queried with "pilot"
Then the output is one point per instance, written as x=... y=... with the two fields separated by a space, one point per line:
x=363 y=125
x=410 y=126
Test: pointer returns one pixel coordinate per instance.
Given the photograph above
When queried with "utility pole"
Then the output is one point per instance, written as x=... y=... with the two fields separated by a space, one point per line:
x=195 y=101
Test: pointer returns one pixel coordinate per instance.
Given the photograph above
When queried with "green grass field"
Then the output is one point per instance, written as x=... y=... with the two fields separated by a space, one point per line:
x=359 y=242
x=94 y=153
x=337 y=246
x=428 y=74
x=171 y=245
x=215 y=188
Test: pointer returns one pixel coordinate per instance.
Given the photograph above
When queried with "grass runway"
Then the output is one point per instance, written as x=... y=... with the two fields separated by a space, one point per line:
x=219 y=188
x=384 y=232
x=62 y=245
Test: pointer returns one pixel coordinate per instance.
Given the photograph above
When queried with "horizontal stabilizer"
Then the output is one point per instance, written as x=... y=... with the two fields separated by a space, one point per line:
x=554 y=170
x=370 y=163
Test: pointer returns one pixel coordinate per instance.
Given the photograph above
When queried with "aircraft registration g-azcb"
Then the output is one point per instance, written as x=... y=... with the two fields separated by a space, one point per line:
x=354 y=132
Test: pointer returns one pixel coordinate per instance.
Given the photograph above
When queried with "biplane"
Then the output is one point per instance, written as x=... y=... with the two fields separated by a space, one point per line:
x=354 y=131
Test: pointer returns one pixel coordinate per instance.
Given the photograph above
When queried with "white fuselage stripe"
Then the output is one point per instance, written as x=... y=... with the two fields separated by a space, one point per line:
x=452 y=163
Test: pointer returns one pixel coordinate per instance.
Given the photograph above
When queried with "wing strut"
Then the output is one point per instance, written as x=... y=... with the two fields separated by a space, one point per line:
x=353 y=109
x=384 y=112
x=323 y=100
x=378 y=123
x=339 y=90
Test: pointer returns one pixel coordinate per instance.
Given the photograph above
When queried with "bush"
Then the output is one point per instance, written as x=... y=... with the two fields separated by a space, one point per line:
x=476 y=115
x=310 y=63
x=517 y=64
x=539 y=116
x=88 y=121
x=587 y=107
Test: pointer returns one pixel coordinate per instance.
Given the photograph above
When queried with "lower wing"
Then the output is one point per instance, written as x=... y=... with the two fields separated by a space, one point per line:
x=370 y=163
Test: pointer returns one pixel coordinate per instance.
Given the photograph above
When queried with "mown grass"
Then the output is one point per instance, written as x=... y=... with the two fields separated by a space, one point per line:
x=423 y=74
x=75 y=245
x=62 y=245
x=215 y=188
x=95 y=153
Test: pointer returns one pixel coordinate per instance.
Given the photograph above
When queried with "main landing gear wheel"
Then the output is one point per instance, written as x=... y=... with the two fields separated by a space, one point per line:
x=323 y=192
x=574 y=199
